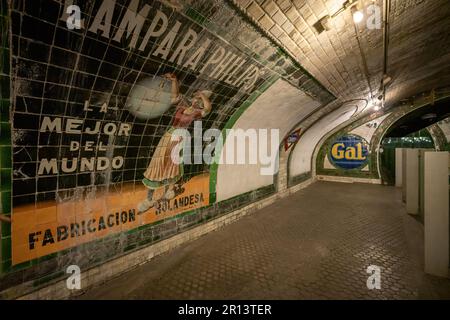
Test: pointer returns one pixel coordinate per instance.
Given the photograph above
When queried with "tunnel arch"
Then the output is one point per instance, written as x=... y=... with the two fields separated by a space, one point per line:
x=312 y=136
x=379 y=124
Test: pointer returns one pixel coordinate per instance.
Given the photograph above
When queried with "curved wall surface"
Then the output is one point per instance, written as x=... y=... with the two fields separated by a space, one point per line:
x=302 y=154
x=279 y=108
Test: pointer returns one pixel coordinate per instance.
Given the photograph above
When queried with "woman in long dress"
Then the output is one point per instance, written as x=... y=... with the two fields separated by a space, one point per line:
x=162 y=170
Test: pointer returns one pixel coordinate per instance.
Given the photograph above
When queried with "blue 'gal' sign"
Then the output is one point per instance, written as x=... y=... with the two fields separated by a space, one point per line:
x=349 y=152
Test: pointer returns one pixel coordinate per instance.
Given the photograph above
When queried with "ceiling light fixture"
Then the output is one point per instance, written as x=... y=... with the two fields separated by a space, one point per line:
x=376 y=104
x=358 y=16
x=323 y=23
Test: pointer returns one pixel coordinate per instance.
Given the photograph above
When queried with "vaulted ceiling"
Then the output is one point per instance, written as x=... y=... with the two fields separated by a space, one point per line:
x=349 y=59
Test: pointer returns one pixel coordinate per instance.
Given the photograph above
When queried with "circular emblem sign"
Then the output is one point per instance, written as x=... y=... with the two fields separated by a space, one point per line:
x=349 y=152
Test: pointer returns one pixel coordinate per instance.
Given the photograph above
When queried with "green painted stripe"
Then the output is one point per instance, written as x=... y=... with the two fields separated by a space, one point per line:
x=5 y=139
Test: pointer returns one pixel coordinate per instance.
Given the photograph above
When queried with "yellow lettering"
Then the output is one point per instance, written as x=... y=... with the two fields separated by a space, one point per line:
x=337 y=152
x=359 y=149
x=350 y=153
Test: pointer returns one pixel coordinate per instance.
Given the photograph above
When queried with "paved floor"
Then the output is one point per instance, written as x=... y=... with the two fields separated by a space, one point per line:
x=315 y=244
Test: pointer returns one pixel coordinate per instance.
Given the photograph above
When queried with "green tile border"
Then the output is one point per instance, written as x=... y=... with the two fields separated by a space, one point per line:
x=5 y=137
x=438 y=136
x=295 y=180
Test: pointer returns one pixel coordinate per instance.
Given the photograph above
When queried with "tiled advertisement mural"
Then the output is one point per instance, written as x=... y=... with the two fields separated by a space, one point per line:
x=300 y=163
x=93 y=112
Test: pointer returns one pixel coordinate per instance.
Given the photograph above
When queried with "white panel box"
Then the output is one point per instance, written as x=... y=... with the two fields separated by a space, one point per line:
x=398 y=167
x=412 y=181
x=436 y=211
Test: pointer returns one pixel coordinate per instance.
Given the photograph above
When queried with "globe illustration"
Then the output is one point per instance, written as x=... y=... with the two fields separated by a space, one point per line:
x=150 y=98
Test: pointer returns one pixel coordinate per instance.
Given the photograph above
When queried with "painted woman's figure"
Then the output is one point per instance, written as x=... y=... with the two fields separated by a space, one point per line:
x=162 y=170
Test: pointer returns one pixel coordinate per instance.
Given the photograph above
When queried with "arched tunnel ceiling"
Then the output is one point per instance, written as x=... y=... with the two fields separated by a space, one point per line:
x=418 y=56
x=274 y=109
